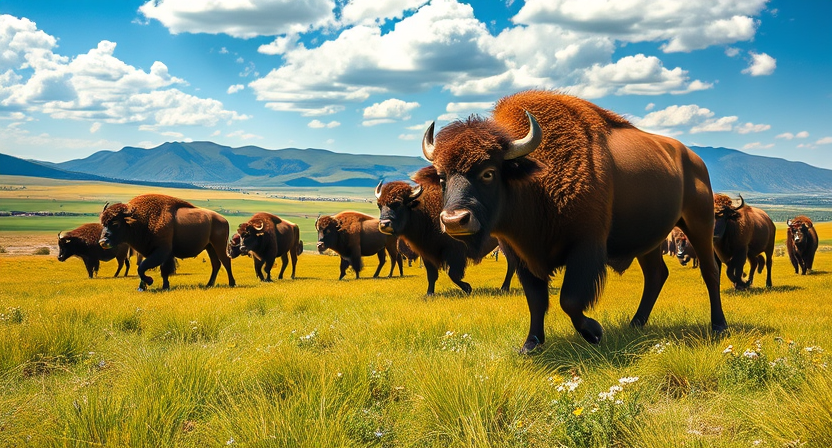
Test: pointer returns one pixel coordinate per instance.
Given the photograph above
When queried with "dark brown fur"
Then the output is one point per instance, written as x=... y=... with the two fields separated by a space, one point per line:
x=163 y=228
x=596 y=192
x=276 y=238
x=417 y=222
x=801 y=244
x=748 y=233
x=407 y=252
x=82 y=242
x=354 y=235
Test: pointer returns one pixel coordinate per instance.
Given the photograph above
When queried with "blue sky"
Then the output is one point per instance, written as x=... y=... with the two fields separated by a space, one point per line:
x=367 y=76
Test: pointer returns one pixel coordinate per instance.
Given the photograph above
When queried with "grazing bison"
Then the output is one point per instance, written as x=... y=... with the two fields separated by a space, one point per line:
x=742 y=232
x=83 y=243
x=354 y=235
x=407 y=252
x=413 y=215
x=684 y=250
x=801 y=243
x=266 y=237
x=561 y=183
x=162 y=228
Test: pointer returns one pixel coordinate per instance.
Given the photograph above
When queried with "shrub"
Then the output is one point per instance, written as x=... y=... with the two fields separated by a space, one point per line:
x=41 y=251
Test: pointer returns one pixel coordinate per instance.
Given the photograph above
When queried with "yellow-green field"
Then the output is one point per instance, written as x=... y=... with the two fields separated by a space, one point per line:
x=372 y=362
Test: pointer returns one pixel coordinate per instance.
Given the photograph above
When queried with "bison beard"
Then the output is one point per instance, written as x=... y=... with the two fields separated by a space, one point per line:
x=561 y=182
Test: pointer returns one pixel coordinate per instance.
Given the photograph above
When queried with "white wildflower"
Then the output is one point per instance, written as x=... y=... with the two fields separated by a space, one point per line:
x=729 y=349
x=751 y=354
x=628 y=380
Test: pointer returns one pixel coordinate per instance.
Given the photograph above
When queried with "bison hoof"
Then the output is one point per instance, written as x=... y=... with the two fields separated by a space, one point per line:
x=142 y=286
x=148 y=280
x=591 y=330
x=638 y=322
x=531 y=344
x=466 y=288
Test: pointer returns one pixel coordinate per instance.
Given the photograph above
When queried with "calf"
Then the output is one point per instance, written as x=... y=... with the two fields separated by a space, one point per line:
x=83 y=243
x=354 y=235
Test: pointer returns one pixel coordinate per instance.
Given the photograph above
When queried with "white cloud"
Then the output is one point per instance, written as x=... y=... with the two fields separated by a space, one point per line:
x=377 y=121
x=95 y=127
x=732 y=52
x=824 y=141
x=374 y=11
x=280 y=45
x=14 y=136
x=789 y=135
x=216 y=133
x=330 y=141
x=318 y=124
x=649 y=106
x=723 y=124
x=235 y=88
x=751 y=127
x=390 y=108
x=639 y=75
x=760 y=65
x=470 y=106
x=683 y=25
x=757 y=145
x=408 y=136
x=240 y=18
x=420 y=127
x=172 y=134
x=243 y=135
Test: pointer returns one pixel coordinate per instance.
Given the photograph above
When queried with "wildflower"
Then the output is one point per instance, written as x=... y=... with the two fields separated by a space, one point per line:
x=230 y=441
x=519 y=424
x=814 y=348
x=628 y=380
x=751 y=354
x=339 y=375
x=569 y=386
x=729 y=349
x=578 y=411
x=379 y=433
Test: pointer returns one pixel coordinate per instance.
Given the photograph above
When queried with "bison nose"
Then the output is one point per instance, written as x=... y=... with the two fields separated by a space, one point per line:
x=459 y=222
x=385 y=226
x=104 y=243
x=321 y=247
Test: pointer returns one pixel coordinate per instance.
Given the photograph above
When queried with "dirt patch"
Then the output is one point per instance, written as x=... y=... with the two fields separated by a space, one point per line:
x=22 y=244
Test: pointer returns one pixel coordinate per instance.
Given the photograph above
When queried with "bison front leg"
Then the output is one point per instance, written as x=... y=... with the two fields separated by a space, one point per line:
x=153 y=260
x=456 y=272
x=655 y=274
x=258 y=268
x=88 y=263
x=582 y=280
x=537 y=296
x=345 y=263
x=284 y=260
x=382 y=258
x=433 y=274
x=267 y=266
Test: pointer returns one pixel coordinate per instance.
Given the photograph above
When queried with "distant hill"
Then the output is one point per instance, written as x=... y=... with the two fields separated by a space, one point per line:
x=207 y=163
x=210 y=164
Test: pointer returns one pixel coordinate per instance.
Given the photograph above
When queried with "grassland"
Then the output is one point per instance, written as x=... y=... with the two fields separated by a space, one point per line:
x=372 y=362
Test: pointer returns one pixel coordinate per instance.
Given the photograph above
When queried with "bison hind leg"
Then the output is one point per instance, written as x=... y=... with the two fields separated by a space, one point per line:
x=655 y=273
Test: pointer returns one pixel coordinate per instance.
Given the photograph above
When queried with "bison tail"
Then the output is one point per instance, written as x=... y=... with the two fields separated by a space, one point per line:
x=300 y=247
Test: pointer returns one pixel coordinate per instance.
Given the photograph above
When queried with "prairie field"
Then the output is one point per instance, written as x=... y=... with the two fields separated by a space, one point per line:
x=314 y=361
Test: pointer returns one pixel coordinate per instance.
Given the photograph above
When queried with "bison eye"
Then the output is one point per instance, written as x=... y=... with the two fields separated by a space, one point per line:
x=487 y=176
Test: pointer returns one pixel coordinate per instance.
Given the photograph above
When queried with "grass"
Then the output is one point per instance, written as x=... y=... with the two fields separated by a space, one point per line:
x=372 y=362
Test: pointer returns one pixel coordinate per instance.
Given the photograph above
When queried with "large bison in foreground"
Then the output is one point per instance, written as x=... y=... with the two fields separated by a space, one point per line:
x=413 y=215
x=561 y=183
x=162 y=228
x=266 y=237
x=83 y=243
x=801 y=243
x=354 y=235
x=740 y=233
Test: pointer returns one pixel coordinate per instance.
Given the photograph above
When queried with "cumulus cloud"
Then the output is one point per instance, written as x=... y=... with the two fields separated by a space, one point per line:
x=757 y=145
x=698 y=119
x=377 y=121
x=280 y=45
x=789 y=135
x=390 y=108
x=682 y=25
x=318 y=124
x=237 y=18
x=638 y=75
x=649 y=106
x=95 y=127
x=374 y=11
x=723 y=124
x=243 y=135
x=732 y=52
x=760 y=65
x=824 y=141
x=420 y=127
x=235 y=88
x=408 y=136
x=748 y=128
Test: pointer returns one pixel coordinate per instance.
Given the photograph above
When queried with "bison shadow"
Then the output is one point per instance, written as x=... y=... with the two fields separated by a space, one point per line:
x=623 y=345
x=757 y=290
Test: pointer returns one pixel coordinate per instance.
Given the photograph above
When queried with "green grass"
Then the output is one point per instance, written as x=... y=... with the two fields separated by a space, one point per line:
x=372 y=362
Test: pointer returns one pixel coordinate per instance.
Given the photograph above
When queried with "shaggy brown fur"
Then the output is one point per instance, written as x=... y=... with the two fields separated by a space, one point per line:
x=801 y=244
x=595 y=192
x=276 y=238
x=407 y=252
x=163 y=228
x=82 y=242
x=354 y=235
x=748 y=233
x=417 y=222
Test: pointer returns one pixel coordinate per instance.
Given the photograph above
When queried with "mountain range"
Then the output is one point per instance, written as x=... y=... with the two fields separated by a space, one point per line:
x=210 y=164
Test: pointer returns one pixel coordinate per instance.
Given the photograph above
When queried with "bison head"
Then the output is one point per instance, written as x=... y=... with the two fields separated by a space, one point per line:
x=395 y=200
x=233 y=249
x=474 y=159
x=67 y=246
x=116 y=220
x=796 y=231
x=251 y=236
x=725 y=213
x=327 y=228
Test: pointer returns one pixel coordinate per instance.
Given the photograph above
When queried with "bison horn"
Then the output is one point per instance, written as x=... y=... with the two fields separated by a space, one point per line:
x=527 y=144
x=105 y=206
x=415 y=192
x=378 y=188
x=258 y=225
x=59 y=234
x=427 y=142
x=788 y=223
x=742 y=202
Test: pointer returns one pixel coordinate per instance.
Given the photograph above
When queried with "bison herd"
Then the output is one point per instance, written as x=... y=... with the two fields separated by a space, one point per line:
x=558 y=183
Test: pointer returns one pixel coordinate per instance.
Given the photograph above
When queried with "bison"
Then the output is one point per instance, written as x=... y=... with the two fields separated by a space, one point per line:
x=354 y=235
x=668 y=246
x=740 y=233
x=266 y=237
x=413 y=215
x=684 y=250
x=561 y=183
x=162 y=228
x=801 y=243
x=83 y=243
